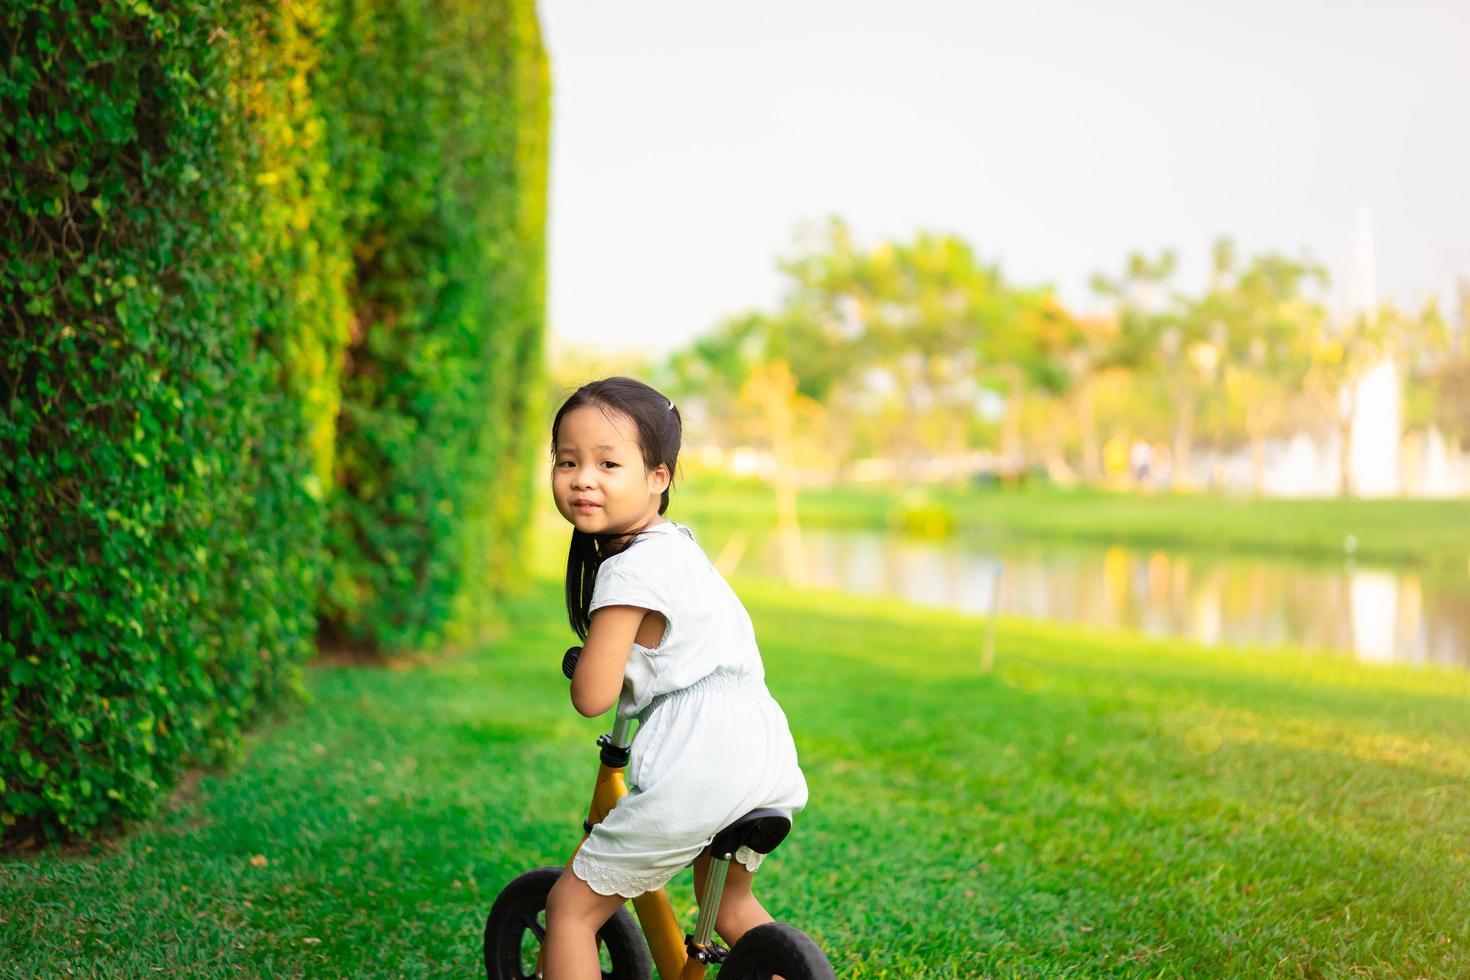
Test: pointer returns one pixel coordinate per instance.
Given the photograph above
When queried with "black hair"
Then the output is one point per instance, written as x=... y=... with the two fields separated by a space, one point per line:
x=660 y=431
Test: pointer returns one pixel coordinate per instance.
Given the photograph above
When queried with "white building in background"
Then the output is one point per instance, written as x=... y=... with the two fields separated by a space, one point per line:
x=1375 y=434
x=1383 y=460
x=1297 y=468
x=1374 y=431
x=1433 y=468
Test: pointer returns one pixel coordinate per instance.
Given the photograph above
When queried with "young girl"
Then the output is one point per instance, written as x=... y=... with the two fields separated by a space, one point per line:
x=667 y=641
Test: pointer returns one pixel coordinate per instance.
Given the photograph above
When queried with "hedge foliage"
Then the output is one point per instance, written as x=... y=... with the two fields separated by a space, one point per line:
x=448 y=317
x=199 y=215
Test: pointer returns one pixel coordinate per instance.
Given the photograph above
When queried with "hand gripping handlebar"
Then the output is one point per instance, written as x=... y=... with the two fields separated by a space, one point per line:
x=569 y=661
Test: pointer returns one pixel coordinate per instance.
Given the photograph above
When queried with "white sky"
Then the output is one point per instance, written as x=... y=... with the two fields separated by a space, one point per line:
x=689 y=139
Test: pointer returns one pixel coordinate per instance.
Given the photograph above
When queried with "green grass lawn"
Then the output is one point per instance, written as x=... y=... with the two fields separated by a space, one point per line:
x=1094 y=805
x=1431 y=533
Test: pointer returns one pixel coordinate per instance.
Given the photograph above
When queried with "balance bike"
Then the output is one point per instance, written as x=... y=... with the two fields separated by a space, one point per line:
x=516 y=925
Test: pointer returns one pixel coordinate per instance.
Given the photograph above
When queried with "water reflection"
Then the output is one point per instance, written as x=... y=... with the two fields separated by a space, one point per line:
x=1381 y=615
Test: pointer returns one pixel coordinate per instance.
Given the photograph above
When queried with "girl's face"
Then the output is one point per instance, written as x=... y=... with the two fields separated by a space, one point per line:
x=598 y=477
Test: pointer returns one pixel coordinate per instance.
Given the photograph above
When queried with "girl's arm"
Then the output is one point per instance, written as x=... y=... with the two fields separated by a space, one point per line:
x=598 y=679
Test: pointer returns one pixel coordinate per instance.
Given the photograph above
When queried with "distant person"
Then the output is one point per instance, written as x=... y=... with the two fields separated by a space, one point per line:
x=1139 y=460
x=1115 y=460
x=667 y=641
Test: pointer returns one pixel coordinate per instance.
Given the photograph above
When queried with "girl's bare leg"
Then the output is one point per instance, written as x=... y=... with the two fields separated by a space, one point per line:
x=574 y=913
x=739 y=911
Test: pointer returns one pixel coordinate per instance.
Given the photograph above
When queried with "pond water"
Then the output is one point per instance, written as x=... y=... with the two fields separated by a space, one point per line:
x=1388 y=615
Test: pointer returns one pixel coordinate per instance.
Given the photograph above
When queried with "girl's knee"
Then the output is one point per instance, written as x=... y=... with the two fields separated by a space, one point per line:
x=568 y=898
x=556 y=899
x=572 y=901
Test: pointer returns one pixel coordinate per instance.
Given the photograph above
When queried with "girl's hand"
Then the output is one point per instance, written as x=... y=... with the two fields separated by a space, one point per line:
x=569 y=661
x=598 y=679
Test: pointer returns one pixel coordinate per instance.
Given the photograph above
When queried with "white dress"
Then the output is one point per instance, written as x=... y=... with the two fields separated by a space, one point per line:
x=712 y=744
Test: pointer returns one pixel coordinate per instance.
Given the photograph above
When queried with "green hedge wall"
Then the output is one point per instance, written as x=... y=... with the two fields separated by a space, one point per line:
x=445 y=205
x=191 y=224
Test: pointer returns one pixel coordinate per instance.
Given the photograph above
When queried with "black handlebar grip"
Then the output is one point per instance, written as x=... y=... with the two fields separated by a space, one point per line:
x=569 y=661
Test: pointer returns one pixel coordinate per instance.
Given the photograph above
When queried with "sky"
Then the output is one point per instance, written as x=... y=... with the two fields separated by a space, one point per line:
x=691 y=140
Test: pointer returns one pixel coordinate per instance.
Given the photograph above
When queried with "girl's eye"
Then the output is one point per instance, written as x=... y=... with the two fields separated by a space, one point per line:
x=609 y=463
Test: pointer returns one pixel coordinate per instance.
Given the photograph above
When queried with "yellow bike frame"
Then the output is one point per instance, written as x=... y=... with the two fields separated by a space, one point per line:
x=655 y=912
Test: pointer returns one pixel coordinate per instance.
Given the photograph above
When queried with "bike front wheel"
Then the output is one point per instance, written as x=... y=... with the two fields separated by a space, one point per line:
x=516 y=928
x=776 y=950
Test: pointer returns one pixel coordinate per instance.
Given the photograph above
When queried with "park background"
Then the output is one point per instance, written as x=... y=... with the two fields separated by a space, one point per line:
x=1077 y=399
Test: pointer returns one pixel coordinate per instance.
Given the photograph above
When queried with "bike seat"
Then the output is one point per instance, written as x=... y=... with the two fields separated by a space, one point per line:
x=760 y=830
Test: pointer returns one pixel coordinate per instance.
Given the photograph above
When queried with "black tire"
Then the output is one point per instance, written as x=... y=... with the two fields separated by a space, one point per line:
x=776 y=949
x=518 y=915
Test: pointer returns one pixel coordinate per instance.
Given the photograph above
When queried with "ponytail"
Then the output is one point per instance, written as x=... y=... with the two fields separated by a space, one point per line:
x=583 y=558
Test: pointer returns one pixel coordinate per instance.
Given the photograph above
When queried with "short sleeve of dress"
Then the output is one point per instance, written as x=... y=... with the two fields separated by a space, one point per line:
x=639 y=576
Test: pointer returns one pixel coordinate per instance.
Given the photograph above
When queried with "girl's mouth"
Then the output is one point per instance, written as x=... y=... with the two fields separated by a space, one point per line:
x=584 y=507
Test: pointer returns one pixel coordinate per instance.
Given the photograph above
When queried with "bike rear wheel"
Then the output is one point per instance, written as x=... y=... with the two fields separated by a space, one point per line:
x=516 y=927
x=779 y=950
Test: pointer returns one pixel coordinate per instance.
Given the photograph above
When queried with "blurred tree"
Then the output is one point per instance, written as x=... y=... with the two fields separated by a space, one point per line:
x=705 y=378
x=738 y=381
x=1449 y=381
x=1089 y=353
x=895 y=349
x=571 y=366
x=1262 y=323
x=770 y=389
x=1159 y=334
x=712 y=372
x=912 y=320
x=1345 y=351
x=1434 y=366
x=1039 y=350
x=1342 y=353
x=1450 y=404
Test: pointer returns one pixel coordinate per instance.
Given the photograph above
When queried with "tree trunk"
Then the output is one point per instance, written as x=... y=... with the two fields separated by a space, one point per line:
x=1012 y=453
x=957 y=446
x=1183 y=439
x=1255 y=428
x=1092 y=470
x=1347 y=407
x=1258 y=464
x=840 y=427
x=775 y=393
x=788 y=531
x=1010 y=441
x=912 y=429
